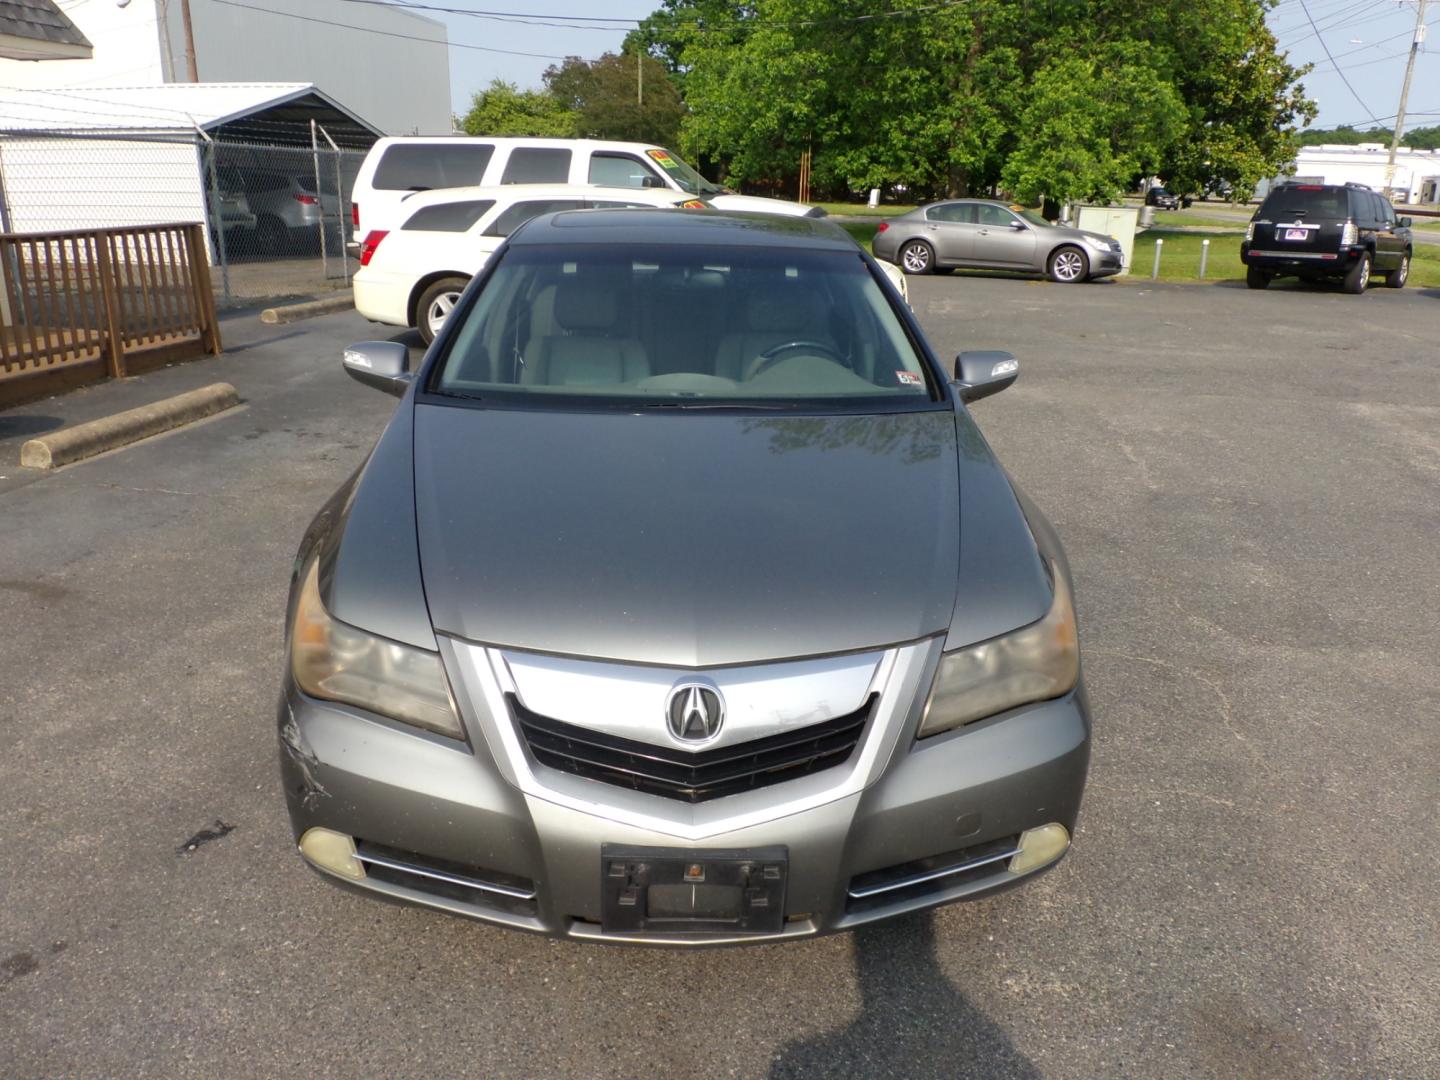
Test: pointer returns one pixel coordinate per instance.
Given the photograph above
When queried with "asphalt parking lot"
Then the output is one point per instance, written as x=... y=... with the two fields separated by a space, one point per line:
x=1247 y=486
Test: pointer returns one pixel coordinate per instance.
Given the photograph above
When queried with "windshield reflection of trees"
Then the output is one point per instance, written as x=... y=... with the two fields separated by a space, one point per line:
x=908 y=437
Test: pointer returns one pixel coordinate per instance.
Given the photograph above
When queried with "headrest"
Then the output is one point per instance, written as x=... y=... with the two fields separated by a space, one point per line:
x=581 y=305
x=783 y=309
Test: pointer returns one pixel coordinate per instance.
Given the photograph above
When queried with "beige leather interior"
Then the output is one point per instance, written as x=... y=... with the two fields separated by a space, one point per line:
x=589 y=352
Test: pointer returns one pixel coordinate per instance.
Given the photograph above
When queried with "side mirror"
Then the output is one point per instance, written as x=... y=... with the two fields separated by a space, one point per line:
x=385 y=365
x=651 y=182
x=984 y=372
x=1018 y=226
x=1406 y=222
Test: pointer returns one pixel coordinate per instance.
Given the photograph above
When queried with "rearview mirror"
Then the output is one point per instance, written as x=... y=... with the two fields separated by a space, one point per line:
x=385 y=365
x=980 y=373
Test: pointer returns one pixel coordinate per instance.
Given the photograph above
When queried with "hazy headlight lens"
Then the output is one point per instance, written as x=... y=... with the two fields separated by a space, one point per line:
x=1034 y=663
x=337 y=662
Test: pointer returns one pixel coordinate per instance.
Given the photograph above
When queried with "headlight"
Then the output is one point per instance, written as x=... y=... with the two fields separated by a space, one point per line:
x=1096 y=243
x=331 y=660
x=1034 y=663
x=1250 y=231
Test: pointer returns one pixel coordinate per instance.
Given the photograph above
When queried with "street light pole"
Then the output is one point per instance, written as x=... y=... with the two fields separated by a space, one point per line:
x=1415 y=43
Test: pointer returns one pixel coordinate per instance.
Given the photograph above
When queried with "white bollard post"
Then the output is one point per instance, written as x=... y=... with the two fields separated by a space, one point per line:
x=1204 y=255
x=1155 y=270
x=874 y=198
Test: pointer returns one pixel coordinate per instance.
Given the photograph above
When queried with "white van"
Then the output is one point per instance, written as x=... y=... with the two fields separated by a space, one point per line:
x=412 y=274
x=397 y=167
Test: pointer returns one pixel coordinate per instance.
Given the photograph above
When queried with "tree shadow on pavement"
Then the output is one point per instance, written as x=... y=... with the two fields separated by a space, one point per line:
x=913 y=1023
x=15 y=426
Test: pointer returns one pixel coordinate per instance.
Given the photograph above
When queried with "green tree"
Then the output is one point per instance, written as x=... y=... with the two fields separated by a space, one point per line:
x=958 y=99
x=630 y=97
x=503 y=109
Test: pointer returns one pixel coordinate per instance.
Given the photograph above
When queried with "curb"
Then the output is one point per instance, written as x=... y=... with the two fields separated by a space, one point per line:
x=308 y=309
x=110 y=432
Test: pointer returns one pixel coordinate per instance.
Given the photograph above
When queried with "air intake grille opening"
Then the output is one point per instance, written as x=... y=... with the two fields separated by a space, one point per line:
x=692 y=777
x=448 y=879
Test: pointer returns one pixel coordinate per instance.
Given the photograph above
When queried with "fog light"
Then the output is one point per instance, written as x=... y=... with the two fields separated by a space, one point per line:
x=1040 y=847
x=335 y=852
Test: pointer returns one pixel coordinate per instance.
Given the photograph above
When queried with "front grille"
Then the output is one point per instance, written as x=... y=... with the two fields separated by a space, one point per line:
x=925 y=877
x=692 y=777
x=444 y=878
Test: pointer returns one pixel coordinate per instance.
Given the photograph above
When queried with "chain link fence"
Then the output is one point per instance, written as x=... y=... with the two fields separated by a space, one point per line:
x=276 y=216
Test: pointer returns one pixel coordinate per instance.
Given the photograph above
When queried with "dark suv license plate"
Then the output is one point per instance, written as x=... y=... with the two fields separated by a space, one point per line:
x=685 y=891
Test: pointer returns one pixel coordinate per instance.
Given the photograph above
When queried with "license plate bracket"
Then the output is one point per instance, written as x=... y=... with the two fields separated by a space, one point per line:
x=1297 y=234
x=689 y=891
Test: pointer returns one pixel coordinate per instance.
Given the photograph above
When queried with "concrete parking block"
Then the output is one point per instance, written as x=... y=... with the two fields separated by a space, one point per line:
x=111 y=432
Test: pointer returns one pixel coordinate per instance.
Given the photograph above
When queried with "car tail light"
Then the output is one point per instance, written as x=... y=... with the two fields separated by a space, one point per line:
x=1250 y=231
x=305 y=200
x=370 y=243
x=355 y=214
x=1347 y=234
x=881 y=227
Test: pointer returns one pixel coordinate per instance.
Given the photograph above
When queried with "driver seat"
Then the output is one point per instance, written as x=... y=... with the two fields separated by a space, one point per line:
x=768 y=319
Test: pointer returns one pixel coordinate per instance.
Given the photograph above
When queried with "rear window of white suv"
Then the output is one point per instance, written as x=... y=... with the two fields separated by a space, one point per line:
x=426 y=166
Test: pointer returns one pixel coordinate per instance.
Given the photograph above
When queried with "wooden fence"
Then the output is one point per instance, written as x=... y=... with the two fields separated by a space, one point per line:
x=80 y=306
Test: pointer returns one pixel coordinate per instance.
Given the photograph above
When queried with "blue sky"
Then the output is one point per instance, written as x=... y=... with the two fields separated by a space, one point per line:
x=1367 y=38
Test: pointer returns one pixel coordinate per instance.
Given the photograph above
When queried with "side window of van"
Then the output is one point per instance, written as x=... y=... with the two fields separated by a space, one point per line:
x=537 y=165
x=449 y=217
x=510 y=220
x=424 y=167
x=622 y=170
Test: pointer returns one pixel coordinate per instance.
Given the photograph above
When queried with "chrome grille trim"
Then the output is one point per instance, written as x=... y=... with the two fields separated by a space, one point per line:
x=933 y=875
x=370 y=858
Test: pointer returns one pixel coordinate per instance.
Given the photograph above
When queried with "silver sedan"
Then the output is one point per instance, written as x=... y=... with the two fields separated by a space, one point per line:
x=984 y=235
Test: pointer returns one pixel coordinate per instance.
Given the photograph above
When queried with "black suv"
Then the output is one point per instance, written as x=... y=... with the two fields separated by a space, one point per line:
x=1314 y=231
x=1158 y=196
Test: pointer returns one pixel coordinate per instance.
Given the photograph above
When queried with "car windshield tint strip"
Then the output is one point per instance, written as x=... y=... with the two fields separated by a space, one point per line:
x=684 y=326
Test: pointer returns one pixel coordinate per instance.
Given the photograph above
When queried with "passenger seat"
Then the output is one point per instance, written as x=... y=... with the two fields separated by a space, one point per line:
x=584 y=352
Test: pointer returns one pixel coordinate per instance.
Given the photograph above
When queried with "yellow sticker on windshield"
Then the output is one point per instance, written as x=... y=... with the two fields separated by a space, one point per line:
x=663 y=158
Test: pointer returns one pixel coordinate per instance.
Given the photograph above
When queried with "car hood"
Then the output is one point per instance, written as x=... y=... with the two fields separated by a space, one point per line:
x=686 y=538
x=1063 y=232
x=758 y=204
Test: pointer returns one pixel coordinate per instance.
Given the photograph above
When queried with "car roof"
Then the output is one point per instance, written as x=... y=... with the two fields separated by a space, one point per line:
x=514 y=192
x=683 y=227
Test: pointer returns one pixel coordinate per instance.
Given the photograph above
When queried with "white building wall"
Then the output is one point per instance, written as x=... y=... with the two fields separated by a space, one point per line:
x=56 y=184
x=1365 y=164
x=126 y=50
x=370 y=62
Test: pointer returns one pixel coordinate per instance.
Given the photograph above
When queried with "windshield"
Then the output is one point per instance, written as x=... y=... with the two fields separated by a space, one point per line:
x=688 y=179
x=1032 y=217
x=678 y=326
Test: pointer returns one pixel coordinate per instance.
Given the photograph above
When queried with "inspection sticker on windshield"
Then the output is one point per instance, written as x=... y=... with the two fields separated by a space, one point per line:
x=909 y=378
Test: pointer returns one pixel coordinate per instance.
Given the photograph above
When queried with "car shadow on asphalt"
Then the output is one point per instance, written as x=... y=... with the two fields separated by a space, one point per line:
x=15 y=426
x=913 y=1022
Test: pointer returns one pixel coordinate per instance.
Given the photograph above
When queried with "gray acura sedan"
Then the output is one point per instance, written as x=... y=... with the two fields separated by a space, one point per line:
x=681 y=602
x=983 y=235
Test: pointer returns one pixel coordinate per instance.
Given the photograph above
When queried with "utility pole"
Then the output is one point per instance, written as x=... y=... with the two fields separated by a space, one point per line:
x=1415 y=43
x=190 y=41
x=640 y=77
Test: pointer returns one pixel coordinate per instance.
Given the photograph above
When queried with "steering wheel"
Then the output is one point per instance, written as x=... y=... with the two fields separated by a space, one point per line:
x=773 y=355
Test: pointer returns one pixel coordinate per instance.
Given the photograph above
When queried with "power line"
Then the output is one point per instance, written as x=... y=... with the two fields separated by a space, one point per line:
x=1306 y=8
x=389 y=33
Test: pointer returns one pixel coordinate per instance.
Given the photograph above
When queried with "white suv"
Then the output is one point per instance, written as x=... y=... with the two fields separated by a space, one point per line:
x=412 y=274
x=396 y=168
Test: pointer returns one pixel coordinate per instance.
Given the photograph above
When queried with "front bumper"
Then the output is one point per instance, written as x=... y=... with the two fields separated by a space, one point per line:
x=445 y=826
x=1106 y=264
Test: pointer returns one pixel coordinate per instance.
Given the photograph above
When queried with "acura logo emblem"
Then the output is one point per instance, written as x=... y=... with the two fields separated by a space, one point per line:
x=695 y=712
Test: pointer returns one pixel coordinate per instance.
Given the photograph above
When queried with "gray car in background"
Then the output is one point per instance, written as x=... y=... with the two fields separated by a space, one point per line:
x=981 y=234
x=681 y=602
